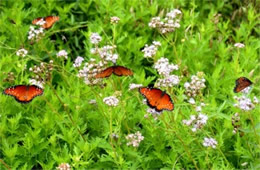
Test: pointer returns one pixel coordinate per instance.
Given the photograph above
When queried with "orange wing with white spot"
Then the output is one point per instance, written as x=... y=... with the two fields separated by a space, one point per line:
x=24 y=93
x=49 y=21
x=157 y=99
x=242 y=83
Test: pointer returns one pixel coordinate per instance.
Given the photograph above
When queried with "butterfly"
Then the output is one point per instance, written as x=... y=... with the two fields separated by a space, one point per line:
x=242 y=83
x=49 y=21
x=117 y=70
x=157 y=99
x=24 y=93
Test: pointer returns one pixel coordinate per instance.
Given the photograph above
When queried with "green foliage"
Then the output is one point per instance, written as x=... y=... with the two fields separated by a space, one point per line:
x=62 y=126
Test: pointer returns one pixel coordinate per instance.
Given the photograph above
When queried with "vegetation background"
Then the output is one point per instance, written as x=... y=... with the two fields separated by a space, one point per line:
x=61 y=126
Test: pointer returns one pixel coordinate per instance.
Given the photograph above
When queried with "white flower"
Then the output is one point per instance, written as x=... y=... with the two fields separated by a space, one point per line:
x=255 y=100
x=244 y=103
x=22 y=52
x=134 y=139
x=63 y=166
x=198 y=109
x=157 y=43
x=95 y=38
x=106 y=53
x=40 y=22
x=186 y=85
x=35 y=33
x=155 y=22
x=62 y=53
x=244 y=164
x=78 y=61
x=168 y=24
x=92 y=101
x=114 y=20
x=172 y=14
x=210 y=142
x=164 y=68
x=239 y=45
x=191 y=101
x=246 y=90
x=168 y=81
x=111 y=101
x=37 y=83
x=134 y=86
x=197 y=122
x=154 y=113
x=194 y=87
x=150 y=51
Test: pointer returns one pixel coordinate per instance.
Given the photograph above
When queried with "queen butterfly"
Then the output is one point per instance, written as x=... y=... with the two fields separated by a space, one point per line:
x=117 y=70
x=49 y=21
x=24 y=93
x=157 y=99
x=242 y=83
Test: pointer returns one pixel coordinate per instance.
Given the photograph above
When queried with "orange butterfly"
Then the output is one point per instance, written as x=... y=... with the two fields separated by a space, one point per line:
x=49 y=21
x=157 y=99
x=242 y=83
x=117 y=70
x=24 y=93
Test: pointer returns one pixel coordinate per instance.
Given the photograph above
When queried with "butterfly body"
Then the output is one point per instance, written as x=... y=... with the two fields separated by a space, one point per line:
x=49 y=21
x=157 y=99
x=117 y=70
x=24 y=93
x=241 y=84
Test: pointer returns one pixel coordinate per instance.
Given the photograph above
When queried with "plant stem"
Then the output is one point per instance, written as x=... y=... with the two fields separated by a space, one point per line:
x=7 y=167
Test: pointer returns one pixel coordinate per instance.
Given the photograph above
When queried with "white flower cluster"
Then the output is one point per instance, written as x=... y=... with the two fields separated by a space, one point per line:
x=78 y=61
x=239 y=45
x=106 y=53
x=235 y=122
x=246 y=90
x=164 y=68
x=63 y=166
x=134 y=86
x=150 y=51
x=197 y=122
x=35 y=34
x=92 y=101
x=40 y=22
x=169 y=81
x=95 y=38
x=194 y=87
x=22 y=52
x=210 y=142
x=42 y=73
x=114 y=20
x=111 y=101
x=245 y=103
x=153 y=112
x=134 y=139
x=62 y=53
x=37 y=83
x=168 y=24
x=89 y=71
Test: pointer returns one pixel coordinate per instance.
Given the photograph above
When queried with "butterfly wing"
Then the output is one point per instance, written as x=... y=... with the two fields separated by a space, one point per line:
x=105 y=73
x=242 y=83
x=157 y=99
x=50 y=20
x=36 y=20
x=165 y=103
x=23 y=93
x=122 y=71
